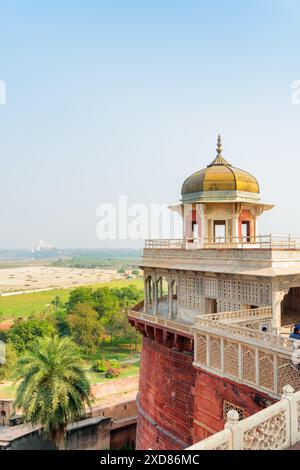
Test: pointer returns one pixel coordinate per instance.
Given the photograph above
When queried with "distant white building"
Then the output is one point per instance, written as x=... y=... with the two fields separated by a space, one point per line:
x=41 y=246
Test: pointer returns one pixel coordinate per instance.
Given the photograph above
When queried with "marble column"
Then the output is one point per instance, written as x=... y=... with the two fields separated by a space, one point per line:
x=155 y=297
x=146 y=300
x=150 y=292
x=170 y=299
x=277 y=298
x=161 y=288
x=235 y=228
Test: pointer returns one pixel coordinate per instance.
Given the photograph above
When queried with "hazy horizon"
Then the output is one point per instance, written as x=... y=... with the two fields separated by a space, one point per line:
x=126 y=98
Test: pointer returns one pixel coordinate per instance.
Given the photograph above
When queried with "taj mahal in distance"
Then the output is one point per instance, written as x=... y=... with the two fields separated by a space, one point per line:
x=218 y=368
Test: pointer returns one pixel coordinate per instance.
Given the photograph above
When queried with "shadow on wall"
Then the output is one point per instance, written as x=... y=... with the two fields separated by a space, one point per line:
x=88 y=434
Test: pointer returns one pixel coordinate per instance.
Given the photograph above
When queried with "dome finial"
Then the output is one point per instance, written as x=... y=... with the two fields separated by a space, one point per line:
x=219 y=160
x=219 y=146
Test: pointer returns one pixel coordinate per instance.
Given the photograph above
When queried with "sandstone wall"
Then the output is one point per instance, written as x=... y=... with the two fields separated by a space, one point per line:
x=165 y=400
x=179 y=405
x=210 y=393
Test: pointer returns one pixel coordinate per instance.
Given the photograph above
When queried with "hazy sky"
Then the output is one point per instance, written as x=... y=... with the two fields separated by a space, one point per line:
x=109 y=98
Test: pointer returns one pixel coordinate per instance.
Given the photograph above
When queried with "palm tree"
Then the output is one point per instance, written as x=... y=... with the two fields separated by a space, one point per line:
x=53 y=389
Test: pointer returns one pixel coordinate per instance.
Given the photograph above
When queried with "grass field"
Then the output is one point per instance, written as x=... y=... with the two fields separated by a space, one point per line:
x=119 y=352
x=7 y=391
x=24 y=263
x=87 y=262
x=128 y=370
x=24 y=305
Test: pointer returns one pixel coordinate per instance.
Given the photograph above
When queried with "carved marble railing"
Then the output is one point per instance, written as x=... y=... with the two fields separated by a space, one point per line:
x=175 y=325
x=220 y=441
x=255 y=319
x=240 y=315
x=274 y=428
x=264 y=361
x=251 y=336
x=275 y=242
x=178 y=243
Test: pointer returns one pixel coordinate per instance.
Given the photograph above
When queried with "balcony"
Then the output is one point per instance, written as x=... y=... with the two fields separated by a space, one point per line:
x=238 y=345
x=161 y=319
x=265 y=242
x=233 y=345
x=263 y=255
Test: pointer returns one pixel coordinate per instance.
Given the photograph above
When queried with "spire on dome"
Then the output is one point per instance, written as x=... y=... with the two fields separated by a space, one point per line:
x=219 y=160
x=219 y=146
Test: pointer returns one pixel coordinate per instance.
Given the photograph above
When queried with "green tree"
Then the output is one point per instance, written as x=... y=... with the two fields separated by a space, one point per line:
x=128 y=296
x=24 y=332
x=105 y=302
x=62 y=324
x=113 y=323
x=80 y=295
x=56 y=302
x=129 y=334
x=53 y=388
x=7 y=369
x=86 y=328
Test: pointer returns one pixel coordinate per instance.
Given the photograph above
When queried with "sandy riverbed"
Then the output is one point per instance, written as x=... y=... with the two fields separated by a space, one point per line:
x=44 y=277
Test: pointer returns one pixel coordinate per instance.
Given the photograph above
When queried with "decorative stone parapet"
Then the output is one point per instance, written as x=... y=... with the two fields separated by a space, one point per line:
x=264 y=361
x=215 y=324
x=276 y=427
x=176 y=326
x=208 y=254
x=275 y=242
x=220 y=441
x=235 y=316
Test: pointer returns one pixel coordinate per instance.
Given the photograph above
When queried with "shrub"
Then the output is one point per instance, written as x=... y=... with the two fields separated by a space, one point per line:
x=101 y=365
x=111 y=373
x=114 y=364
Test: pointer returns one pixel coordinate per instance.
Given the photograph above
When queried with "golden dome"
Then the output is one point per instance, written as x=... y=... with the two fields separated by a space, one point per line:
x=219 y=176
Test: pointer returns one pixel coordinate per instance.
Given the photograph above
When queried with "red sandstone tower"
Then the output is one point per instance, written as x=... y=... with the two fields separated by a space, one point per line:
x=215 y=307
